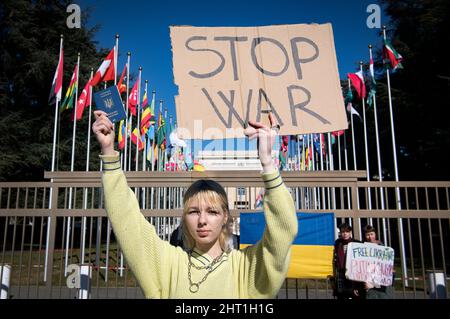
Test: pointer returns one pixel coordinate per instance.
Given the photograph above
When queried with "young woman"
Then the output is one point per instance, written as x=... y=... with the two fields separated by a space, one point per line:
x=372 y=292
x=207 y=268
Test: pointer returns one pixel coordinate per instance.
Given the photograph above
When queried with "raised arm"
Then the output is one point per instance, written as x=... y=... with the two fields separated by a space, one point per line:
x=266 y=263
x=144 y=251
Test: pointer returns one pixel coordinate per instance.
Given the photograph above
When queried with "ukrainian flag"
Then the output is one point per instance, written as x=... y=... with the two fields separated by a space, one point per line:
x=312 y=250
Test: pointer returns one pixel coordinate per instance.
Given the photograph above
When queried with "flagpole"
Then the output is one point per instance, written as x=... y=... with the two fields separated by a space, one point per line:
x=144 y=156
x=85 y=195
x=55 y=128
x=153 y=141
x=380 y=171
x=126 y=112
x=138 y=119
x=72 y=164
x=369 y=197
x=322 y=190
x=331 y=160
x=353 y=133
x=355 y=167
x=397 y=190
x=116 y=57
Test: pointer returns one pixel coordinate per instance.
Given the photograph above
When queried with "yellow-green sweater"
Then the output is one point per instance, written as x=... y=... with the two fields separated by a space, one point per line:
x=161 y=269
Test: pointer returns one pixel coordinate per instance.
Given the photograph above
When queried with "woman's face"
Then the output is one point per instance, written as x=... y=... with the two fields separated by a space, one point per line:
x=371 y=237
x=204 y=223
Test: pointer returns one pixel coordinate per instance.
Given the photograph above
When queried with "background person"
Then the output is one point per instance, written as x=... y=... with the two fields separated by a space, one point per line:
x=372 y=292
x=344 y=288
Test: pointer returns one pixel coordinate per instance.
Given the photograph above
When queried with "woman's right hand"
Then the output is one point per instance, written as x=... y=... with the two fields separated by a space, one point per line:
x=103 y=129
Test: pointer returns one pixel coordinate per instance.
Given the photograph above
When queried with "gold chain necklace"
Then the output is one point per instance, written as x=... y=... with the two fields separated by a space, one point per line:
x=194 y=287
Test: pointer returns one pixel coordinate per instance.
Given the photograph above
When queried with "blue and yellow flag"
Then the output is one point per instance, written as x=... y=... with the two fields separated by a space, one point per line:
x=312 y=250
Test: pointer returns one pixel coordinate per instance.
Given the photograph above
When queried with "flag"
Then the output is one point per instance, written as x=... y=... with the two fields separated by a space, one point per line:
x=148 y=155
x=392 y=56
x=71 y=90
x=122 y=135
x=122 y=86
x=106 y=70
x=145 y=116
x=145 y=100
x=137 y=139
x=259 y=199
x=132 y=99
x=282 y=154
x=312 y=249
x=316 y=142
x=145 y=127
x=198 y=167
x=352 y=111
x=358 y=83
x=373 y=84
x=56 y=90
x=337 y=133
x=188 y=160
x=161 y=132
x=84 y=100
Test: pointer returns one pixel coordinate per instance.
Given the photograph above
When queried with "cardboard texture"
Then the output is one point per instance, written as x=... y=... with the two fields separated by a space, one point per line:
x=228 y=75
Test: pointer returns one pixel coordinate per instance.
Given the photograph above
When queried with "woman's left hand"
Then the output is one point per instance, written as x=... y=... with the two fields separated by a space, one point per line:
x=266 y=140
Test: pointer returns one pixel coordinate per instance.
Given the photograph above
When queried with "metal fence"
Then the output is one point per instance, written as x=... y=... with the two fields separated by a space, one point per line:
x=52 y=231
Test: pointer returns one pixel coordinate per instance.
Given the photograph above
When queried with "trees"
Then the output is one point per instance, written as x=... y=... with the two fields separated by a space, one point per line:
x=29 y=44
x=420 y=94
x=421 y=89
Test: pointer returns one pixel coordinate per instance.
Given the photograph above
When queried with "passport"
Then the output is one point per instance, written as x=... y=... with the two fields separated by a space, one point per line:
x=109 y=101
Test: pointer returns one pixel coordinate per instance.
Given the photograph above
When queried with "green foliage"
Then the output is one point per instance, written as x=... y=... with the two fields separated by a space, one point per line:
x=420 y=94
x=420 y=34
x=29 y=50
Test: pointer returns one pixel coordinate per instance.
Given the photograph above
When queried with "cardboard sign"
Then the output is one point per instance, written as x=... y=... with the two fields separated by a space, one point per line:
x=229 y=75
x=368 y=262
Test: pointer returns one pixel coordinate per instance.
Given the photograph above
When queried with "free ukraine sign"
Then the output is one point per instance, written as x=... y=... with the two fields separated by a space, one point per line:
x=312 y=249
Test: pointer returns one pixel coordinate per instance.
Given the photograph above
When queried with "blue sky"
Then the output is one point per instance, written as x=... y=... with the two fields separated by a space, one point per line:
x=143 y=27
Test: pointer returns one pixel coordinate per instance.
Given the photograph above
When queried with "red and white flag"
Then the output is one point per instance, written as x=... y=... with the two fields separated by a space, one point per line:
x=121 y=86
x=56 y=90
x=83 y=101
x=132 y=99
x=106 y=70
x=358 y=83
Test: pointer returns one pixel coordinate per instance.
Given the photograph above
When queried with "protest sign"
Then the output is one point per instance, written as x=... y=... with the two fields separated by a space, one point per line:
x=229 y=75
x=371 y=263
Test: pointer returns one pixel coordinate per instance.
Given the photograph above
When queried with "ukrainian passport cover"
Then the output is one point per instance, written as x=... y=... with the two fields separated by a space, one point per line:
x=109 y=101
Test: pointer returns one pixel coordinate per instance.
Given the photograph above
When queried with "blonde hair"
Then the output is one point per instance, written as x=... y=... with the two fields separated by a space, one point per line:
x=214 y=194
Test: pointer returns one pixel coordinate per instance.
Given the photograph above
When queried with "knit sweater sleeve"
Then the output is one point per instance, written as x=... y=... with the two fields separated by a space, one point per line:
x=266 y=263
x=144 y=251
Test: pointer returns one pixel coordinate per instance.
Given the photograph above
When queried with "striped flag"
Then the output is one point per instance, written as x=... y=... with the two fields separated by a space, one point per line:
x=56 y=90
x=137 y=139
x=71 y=90
x=373 y=84
x=312 y=250
x=357 y=80
x=120 y=85
x=392 y=56
x=122 y=135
